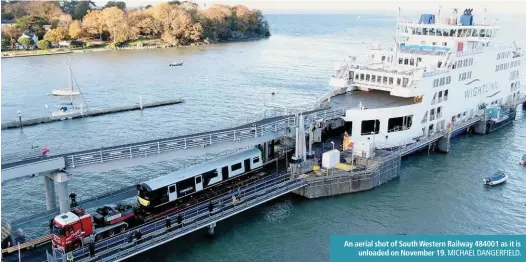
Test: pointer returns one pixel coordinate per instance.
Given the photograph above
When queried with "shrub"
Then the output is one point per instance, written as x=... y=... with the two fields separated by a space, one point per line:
x=25 y=41
x=43 y=44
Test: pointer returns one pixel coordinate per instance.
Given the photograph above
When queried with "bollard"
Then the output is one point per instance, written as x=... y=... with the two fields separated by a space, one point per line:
x=20 y=118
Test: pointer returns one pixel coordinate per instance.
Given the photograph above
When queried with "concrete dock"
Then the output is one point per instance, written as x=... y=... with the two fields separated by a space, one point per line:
x=88 y=113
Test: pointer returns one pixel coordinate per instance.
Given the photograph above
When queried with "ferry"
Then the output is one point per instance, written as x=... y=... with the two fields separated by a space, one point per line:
x=441 y=72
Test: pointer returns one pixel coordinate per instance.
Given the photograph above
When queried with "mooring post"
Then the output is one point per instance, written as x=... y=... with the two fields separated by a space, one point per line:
x=20 y=118
x=140 y=101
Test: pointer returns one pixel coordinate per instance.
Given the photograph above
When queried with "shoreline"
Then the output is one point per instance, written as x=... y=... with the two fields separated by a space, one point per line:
x=101 y=49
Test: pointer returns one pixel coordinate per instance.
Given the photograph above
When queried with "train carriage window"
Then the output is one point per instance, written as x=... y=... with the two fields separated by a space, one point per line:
x=198 y=179
x=172 y=188
x=207 y=176
x=255 y=160
x=236 y=166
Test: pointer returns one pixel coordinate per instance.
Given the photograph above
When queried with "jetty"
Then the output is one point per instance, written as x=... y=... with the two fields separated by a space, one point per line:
x=88 y=113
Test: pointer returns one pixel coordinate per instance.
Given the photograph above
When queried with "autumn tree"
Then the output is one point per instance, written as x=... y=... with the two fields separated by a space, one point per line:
x=12 y=11
x=56 y=35
x=44 y=9
x=93 y=23
x=5 y=41
x=13 y=33
x=217 y=20
x=75 y=30
x=116 y=23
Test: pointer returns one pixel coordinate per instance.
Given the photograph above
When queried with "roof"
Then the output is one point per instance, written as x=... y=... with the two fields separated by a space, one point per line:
x=198 y=169
x=371 y=99
x=66 y=218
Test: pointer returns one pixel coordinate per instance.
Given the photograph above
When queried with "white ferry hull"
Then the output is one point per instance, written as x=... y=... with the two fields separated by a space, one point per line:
x=65 y=92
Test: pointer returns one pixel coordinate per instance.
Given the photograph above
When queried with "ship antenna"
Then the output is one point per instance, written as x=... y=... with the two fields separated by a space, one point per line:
x=485 y=15
x=439 y=11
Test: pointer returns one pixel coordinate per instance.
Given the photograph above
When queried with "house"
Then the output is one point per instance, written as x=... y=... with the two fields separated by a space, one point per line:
x=8 y=23
x=64 y=43
x=32 y=36
x=47 y=27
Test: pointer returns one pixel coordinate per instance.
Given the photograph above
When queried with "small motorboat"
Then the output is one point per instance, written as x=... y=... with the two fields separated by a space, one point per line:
x=177 y=64
x=496 y=179
x=523 y=160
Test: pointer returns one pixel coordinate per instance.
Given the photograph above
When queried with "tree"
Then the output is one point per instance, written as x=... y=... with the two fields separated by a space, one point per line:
x=93 y=23
x=43 y=44
x=13 y=33
x=77 y=9
x=216 y=21
x=5 y=41
x=115 y=21
x=33 y=24
x=56 y=35
x=25 y=41
x=76 y=30
x=45 y=9
x=118 y=4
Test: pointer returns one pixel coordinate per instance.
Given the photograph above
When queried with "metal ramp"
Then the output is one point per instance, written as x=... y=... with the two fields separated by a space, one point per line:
x=154 y=234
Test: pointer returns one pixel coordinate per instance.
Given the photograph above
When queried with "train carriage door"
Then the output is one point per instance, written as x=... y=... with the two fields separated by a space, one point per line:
x=247 y=164
x=172 y=193
x=198 y=183
x=224 y=173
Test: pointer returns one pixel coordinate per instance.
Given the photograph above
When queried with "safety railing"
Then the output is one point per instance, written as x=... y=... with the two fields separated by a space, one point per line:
x=192 y=219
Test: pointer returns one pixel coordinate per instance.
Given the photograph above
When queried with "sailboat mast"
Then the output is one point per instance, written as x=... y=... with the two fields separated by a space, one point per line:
x=70 y=78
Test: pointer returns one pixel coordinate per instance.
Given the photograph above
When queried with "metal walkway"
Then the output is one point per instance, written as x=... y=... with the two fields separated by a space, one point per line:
x=270 y=128
x=154 y=234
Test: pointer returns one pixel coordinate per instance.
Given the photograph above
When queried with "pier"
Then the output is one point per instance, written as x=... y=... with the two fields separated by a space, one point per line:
x=88 y=113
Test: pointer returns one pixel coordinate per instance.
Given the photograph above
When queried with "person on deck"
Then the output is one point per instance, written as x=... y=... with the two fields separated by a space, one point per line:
x=73 y=198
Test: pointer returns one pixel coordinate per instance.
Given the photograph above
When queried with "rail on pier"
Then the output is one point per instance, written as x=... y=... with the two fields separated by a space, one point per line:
x=154 y=234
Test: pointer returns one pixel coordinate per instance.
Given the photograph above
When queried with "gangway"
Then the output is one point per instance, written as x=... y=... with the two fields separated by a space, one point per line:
x=154 y=234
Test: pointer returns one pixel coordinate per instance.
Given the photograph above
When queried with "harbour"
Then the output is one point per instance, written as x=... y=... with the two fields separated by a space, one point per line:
x=519 y=116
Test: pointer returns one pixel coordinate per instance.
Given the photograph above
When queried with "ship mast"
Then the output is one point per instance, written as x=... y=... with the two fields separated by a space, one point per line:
x=397 y=37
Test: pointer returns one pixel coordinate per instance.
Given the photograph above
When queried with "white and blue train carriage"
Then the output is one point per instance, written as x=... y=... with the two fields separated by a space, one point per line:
x=177 y=185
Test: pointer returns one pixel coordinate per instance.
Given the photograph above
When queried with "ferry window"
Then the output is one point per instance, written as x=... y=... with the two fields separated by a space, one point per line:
x=434 y=43
x=361 y=76
x=423 y=42
x=440 y=94
x=482 y=33
x=255 y=160
x=400 y=60
x=432 y=31
x=464 y=113
x=448 y=80
x=390 y=80
x=373 y=78
x=445 y=32
x=471 y=61
x=469 y=74
x=465 y=62
x=475 y=33
x=444 y=43
x=459 y=77
x=367 y=77
x=399 y=123
x=385 y=80
x=439 y=64
x=496 y=68
x=236 y=166
x=405 y=81
x=383 y=58
x=435 y=83
x=425 y=31
x=398 y=81
x=498 y=56
x=445 y=93
x=412 y=61
x=370 y=126
x=464 y=76
x=442 y=81
x=488 y=33
x=459 y=64
x=453 y=32
x=378 y=79
x=459 y=32
x=419 y=59
x=406 y=61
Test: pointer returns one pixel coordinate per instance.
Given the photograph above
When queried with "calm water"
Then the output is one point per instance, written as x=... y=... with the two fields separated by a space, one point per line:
x=437 y=194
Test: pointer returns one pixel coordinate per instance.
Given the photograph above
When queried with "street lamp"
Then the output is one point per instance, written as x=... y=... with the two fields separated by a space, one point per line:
x=332 y=145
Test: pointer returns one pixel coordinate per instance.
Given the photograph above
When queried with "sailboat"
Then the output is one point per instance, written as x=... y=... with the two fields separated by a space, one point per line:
x=67 y=91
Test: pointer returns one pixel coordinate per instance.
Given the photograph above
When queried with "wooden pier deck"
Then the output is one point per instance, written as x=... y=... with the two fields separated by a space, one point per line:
x=88 y=113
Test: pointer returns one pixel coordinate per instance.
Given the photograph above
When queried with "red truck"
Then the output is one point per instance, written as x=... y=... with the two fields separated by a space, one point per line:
x=73 y=229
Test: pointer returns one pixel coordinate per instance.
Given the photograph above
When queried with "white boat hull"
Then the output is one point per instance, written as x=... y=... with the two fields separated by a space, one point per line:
x=65 y=92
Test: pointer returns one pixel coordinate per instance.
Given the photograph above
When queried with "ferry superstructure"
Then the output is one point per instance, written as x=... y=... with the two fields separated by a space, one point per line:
x=441 y=71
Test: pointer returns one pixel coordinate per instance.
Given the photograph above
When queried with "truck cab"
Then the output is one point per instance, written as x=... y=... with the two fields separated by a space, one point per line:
x=70 y=229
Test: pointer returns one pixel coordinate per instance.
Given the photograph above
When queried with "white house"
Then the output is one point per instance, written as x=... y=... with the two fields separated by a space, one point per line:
x=32 y=36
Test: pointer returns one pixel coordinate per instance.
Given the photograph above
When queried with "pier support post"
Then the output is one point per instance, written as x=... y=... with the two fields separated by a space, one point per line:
x=443 y=143
x=61 y=179
x=51 y=202
x=480 y=127
x=211 y=229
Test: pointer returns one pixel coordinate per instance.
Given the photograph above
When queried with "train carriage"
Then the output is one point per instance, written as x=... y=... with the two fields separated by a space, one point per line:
x=166 y=189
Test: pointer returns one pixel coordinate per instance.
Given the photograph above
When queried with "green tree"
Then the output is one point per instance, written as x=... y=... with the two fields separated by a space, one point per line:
x=25 y=41
x=34 y=24
x=43 y=44
x=118 y=4
x=77 y=9
x=13 y=33
x=5 y=42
